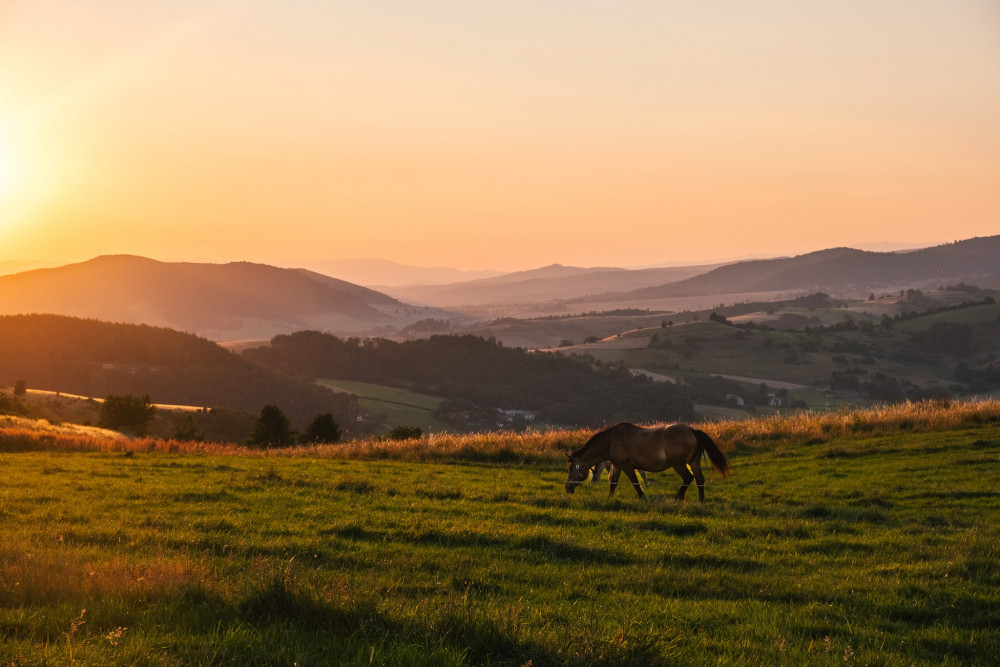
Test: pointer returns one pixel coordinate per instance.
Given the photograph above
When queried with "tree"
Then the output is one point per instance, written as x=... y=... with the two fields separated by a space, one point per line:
x=125 y=412
x=20 y=388
x=273 y=428
x=322 y=429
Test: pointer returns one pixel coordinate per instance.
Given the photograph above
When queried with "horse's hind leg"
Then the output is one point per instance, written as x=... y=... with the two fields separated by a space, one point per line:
x=699 y=478
x=686 y=477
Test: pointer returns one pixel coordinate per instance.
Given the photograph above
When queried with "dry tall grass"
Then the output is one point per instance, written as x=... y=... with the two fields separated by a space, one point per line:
x=20 y=434
x=921 y=417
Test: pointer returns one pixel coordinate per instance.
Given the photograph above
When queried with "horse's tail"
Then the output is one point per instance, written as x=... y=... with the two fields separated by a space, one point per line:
x=714 y=453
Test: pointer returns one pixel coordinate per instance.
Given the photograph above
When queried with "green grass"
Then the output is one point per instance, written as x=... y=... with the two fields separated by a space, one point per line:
x=398 y=406
x=984 y=313
x=867 y=549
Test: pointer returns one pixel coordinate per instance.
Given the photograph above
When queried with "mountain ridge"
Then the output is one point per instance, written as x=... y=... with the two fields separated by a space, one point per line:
x=218 y=301
x=844 y=270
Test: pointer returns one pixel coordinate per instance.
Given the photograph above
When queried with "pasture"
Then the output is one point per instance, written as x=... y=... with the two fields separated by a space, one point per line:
x=397 y=407
x=873 y=548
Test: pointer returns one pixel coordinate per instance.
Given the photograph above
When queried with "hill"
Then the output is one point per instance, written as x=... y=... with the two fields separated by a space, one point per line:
x=845 y=272
x=823 y=351
x=92 y=358
x=480 y=376
x=380 y=274
x=548 y=283
x=219 y=301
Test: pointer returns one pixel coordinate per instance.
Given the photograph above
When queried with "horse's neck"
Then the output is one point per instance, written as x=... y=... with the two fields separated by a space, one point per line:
x=598 y=451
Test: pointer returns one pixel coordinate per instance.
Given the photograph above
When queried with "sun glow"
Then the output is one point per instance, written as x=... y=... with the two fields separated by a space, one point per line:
x=9 y=167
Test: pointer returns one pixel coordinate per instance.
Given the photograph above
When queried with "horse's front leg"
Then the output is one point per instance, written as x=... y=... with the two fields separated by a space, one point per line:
x=686 y=476
x=630 y=471
x=613 y=474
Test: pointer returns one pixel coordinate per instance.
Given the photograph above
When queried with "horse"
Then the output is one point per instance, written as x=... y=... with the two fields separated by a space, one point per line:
x=630 y=448
x=597 y=470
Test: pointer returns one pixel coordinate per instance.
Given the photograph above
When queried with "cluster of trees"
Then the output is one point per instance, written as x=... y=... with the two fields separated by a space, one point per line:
x=572 y=390
x=125 y=412
x=273 y=428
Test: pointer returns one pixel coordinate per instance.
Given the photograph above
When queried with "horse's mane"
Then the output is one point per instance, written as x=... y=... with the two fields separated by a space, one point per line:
x=600 y=435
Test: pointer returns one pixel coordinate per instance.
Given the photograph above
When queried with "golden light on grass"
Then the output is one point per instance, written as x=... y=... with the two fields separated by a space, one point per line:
x=22 y=434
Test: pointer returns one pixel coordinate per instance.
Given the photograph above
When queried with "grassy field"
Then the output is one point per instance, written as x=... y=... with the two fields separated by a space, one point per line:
x=398 y=407
x=868 y=538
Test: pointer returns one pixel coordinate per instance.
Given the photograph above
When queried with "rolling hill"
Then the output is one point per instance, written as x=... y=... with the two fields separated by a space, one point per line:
x=845 y=272
x=219 y=301
x=380 y=273
x=545 y=284
x=91 y=358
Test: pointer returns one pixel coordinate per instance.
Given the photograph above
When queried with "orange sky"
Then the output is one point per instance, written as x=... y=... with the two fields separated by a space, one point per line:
x=494 y=135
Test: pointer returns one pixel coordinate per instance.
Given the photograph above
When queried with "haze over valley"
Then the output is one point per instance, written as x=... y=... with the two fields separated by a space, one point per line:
x=687 y=332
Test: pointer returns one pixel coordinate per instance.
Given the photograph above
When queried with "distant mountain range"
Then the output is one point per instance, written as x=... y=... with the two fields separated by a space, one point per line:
x=841 y=271
x=219 y=301
x=545 y=284
x=380 y=273
x=845 y=272
x=242 y=300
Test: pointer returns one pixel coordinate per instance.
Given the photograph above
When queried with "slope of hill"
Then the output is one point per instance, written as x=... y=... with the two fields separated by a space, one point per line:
x=890 y=349
x=219 y=301
x=380 y=273
x=846 y=272
x=92 y=358
x=544 y=284
x=481 y=373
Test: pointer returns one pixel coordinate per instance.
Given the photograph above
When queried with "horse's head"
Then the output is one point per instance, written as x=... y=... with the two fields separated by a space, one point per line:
x=578 y=473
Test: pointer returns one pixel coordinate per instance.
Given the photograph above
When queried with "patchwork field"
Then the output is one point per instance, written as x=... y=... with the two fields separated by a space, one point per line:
x=868 y=549
x=397 y=407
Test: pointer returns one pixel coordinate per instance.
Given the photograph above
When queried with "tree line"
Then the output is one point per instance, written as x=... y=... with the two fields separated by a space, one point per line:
x=571 y=390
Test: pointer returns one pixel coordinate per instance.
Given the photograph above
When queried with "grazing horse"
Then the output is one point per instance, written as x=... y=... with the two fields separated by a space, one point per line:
x=630 y=448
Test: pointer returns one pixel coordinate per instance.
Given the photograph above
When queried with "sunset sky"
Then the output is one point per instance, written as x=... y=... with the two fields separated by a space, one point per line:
x=500 y=135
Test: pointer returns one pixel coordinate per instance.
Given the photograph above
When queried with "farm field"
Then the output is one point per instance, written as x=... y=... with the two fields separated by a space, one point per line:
x=874 y=548
x=399 y=407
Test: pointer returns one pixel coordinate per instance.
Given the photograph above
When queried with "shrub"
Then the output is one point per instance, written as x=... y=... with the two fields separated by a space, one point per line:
x=405 y=433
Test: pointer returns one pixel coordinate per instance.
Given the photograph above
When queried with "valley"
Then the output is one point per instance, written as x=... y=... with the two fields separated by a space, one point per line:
x=675 y=354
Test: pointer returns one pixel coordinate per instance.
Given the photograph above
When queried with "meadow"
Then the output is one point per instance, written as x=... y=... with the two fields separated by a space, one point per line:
x=858 y=537
x=398 y=407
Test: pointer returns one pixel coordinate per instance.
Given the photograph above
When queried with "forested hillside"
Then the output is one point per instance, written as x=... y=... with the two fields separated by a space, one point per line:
x=846 y=271
x=93 y=358
x=567 y=390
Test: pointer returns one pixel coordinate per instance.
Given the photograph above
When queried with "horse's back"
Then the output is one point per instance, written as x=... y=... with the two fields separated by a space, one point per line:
x=655 y=449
